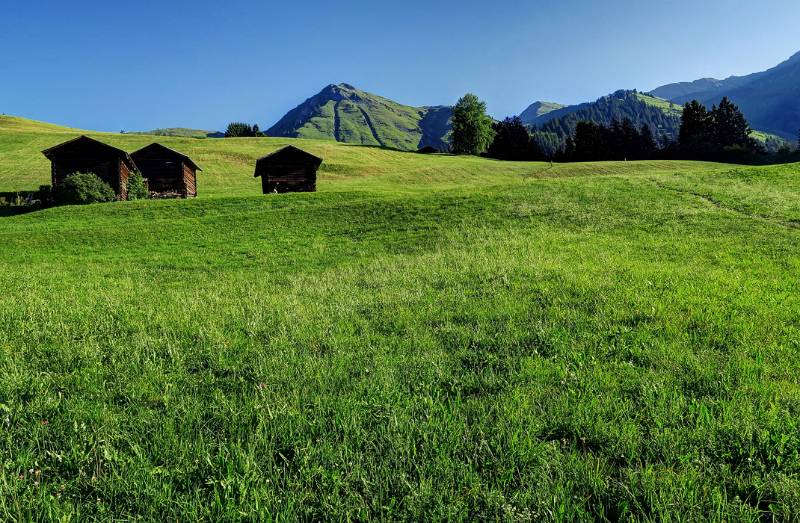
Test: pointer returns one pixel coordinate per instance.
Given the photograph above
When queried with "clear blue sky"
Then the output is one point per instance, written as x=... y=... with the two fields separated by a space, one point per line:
x=134 y=65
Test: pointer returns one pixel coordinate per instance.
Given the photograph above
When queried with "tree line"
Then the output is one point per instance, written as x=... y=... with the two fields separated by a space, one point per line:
x=719 y=134
x=242 y=130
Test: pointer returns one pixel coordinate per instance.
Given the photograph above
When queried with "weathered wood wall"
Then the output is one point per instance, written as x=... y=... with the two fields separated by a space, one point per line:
x=189 y=181
x=66 y=166
x=283 y=178
x=124 y=174
x=168 y=173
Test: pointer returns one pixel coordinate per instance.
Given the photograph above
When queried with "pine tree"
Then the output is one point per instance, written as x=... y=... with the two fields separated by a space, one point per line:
x=647 y=143
x=629 y=138
x=696 y=130
x=590 y=144
x=567 y=154
x=730 y=127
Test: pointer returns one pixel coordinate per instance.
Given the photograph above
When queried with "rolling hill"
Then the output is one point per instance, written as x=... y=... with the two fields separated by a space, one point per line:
x=347 y=114
x=426 y=338
x=183 y=132
x=770 y=99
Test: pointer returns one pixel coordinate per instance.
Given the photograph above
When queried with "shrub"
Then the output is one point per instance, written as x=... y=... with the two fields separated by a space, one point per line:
x=83 y=188
x=137 y=187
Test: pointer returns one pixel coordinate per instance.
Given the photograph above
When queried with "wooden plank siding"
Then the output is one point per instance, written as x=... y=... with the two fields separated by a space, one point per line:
x=288 y=170
x=289 y=178
x=189 y=181
x=168 y=173
x=124 y=174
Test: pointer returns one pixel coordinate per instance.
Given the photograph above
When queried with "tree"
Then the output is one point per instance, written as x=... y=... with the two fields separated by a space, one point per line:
x=730 y=128
x=472 y=127
x=590 y=142
x=512 y=141
x=647 y=143
x=696 y=132
x=567 y=152
x=622 y=140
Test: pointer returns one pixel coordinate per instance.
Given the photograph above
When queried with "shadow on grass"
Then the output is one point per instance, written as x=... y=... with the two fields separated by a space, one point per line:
x=17 y=210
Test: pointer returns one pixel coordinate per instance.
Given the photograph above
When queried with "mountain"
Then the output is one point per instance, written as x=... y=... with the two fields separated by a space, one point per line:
x=663 y=117
x=538 y=109
x=704 y=85
x=347 y=114
x=770 y=99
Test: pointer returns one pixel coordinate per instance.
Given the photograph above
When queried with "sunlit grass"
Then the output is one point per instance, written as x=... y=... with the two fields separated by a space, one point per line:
x=426 y=338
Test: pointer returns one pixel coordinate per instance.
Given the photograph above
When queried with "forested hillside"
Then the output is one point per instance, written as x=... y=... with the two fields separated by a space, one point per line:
x=662 y=117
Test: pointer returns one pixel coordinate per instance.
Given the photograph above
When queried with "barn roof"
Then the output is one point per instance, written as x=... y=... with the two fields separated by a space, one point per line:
x=158 y=148
x=288 y=154
x=83 y=140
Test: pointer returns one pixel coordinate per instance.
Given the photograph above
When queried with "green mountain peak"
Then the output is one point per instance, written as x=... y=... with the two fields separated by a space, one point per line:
x=347 y=114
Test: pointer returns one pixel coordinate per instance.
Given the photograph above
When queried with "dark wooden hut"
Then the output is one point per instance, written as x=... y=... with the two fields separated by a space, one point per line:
x=168 y=173
x=288 y=170
x=85 y=155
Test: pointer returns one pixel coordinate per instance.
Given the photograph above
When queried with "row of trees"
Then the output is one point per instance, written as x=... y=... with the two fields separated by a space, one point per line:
x=707 y=133
x=474 y=132
x=619 y=141
x=721 y=133
x=242 y=130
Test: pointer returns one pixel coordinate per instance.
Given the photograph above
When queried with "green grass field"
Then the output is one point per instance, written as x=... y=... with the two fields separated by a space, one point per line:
x=425 y=338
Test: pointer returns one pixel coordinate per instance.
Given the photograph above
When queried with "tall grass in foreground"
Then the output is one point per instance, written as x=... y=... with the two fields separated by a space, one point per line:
x=585 y=348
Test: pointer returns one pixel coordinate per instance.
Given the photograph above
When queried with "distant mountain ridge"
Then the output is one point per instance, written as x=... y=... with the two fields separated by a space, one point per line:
x=663 y=118
x=770 y=99
x=680 y=89
x=537 y=110
x=182 y=132
x=347 y=114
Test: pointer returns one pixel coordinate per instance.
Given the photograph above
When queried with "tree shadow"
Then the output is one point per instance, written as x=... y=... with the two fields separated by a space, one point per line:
x=18 y=210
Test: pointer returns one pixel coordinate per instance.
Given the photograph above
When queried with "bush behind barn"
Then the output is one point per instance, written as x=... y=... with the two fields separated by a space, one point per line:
x=137 y=187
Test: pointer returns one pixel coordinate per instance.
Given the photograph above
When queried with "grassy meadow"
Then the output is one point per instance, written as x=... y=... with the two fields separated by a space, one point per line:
x=425 y=338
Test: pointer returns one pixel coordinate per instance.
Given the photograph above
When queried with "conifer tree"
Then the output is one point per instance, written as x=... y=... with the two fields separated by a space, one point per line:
x=696 y=129
x=730 y=128
x=647 y=143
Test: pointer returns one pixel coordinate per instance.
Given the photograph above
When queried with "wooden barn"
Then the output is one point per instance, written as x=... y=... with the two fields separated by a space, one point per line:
x=288 y=170
x=168 y=173
x=86 y=155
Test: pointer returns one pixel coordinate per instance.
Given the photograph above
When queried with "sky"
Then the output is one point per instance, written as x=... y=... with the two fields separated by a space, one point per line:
x=144 y=64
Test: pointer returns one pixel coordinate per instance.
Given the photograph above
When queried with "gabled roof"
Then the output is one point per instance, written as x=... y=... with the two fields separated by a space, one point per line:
x=288 y=154
x=157 y=147
x=85 y=140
